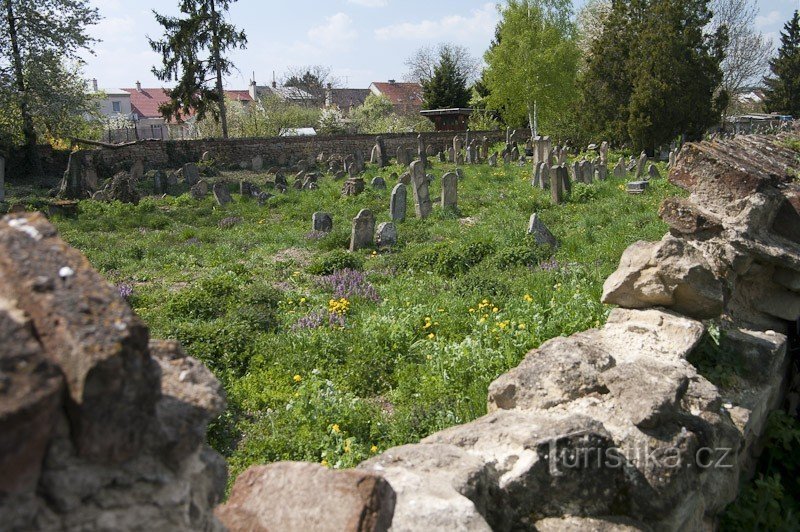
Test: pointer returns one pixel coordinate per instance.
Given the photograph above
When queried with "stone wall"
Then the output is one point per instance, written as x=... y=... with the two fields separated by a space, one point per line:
x=609 y=429
x=274 y=151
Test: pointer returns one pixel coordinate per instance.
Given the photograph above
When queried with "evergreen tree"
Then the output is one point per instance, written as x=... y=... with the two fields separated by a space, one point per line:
x=193 y=53
x=783 y=88
x=447 y=88
x=34 y=31
x=654 y=73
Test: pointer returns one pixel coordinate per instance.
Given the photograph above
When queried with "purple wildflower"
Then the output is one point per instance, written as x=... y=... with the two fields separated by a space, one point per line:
x=550 y=265
x=316 y=235
x=348 y=284
x=125 y=290
x=318 y=318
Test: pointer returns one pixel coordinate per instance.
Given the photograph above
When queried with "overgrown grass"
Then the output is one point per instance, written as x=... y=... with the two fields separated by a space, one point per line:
x=334 y=370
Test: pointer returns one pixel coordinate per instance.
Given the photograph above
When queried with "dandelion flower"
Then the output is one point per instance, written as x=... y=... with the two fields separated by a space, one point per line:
x=335 y=428
x=495 y=310
x=297 y=378
x=373 y=449
x=521 y=326
x=431 y=336
x=324 y=463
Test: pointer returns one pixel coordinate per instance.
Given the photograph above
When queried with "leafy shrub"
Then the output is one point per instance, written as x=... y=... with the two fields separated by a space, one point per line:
x=335 y=260
x=582 y=193
x=515 y=256
x=205 y=300
x=482 y=283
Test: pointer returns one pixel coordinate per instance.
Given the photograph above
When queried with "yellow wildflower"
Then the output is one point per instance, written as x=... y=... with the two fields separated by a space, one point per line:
x=373 y=449
x=521 y=326
x=335 y=428
x=297 y=378
x=495 y=310
x=472 y=310
x=528 y=298
x=431 y=336
x=324 y=463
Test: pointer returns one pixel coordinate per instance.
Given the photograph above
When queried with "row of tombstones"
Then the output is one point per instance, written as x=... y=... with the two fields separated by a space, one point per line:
x=363 y=233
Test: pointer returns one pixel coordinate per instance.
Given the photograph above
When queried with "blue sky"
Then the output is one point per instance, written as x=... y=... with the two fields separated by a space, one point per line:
x=360 y=40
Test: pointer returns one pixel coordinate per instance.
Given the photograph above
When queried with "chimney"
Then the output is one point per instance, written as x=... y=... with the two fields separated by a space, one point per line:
x=94 y=84
x=274 y=84
x=391 y=81
x=252 y=90
x=138 y=87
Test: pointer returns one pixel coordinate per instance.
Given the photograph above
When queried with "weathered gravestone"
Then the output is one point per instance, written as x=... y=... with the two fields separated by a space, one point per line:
x=137 y=170
x=405 y=178
x=449 y=191
x=541 y=234
x=419 y=186
x=493 y=159
x=601 y=171
x=245 y=188
x=383 y=156
x=221 y=194
x=158 y=182
x=191 y=174
x=353 y=186
x=587 y=171
x=442 y=158
x=619 y=169
x=363 y=230
x=397 y=203
x=563 y=176
x=636 y=187
x=378 y=183
x=604 y=153
x=386 y=235
x=430 y=151
x=199 y=190
x=257 y=164
x=322 y=222
x=422 y=153
x=374 y=157
x=640 y=165
x=556 y=185
x=652 y=172
x=459 y=159
x=402 y=156
x=451 y=155
x=577 y=174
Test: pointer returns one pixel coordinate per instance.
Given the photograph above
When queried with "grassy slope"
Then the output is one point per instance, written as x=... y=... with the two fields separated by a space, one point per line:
x=462 y=301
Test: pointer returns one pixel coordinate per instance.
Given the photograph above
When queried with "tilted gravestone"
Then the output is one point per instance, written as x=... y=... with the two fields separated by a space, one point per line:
x=562 y=175
x=652 y=172
x=405 y=178
x=383 y=156
x=640 y=165
x=378 y=183
x=619 y=169
x=363 y=230
x=353 y=186
x=386 y=235
x=221 y=194
x=322 y=222
x=191 y=174
x=199 y=190
x=541 y=234
x=245 y=188
x=419 y=186
x=397 y=203
x=449 y=191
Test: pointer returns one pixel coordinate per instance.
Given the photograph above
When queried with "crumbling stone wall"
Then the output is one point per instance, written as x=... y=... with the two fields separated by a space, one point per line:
x=608 y=429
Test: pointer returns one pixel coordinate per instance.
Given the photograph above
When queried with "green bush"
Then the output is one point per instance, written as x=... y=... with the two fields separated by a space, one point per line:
x=335 y=260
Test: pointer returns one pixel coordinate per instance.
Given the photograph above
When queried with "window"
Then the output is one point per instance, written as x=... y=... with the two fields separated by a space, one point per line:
x=115 y=107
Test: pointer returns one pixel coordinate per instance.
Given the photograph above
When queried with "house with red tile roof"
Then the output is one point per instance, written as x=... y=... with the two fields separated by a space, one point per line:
x=406 y=97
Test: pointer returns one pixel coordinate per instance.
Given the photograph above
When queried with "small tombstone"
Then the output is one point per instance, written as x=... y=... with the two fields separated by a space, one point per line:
x=562 y=156
x=158 y=182
x=604 y=152
x=397 y=203
x=544 y=177
x=493 y=159
x=374 y=157
x=137 y=170
x=556 y=185
x=221 y=194
x=172 y=181
x=577 y=173
x=652 y=172
x=563 y=176
x=457 y=144
x=421 y=151
x=671 y=163
x=430 y=151
x=541 y=234
x=619 y=169
x=245 y=188
x=419 y=186
x=254 y=190
x=322 y=222
x=383 y=156
x=451 y=155
x=587 y=169
x=257 y=164
x=459 y=159
x=640 y=165
x=405 y=178
x=297 y=184
x=191 y=174
x=601 y=171
x=353 y=186
x=199 y=190
x=631 y=166
x=449 y=191
x=401 y=156
x=378 y=183
x=280 y=179
x=506 y=157
x=386 y=235
x=310 y=182
x=363 y=230
x=514 y=153
x=636 y=187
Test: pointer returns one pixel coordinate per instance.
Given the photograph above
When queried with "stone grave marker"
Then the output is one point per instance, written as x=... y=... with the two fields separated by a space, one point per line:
x=541 y=234
x=619 y=169
x=322 y=222
x=636 y=187
x=257 y=163
x=191 y=174
x=405 y=178
x=397 y=203
x=640 y=165
x=245 y=188
x=419 y=186
x=449 y=191
x=493 y=159
x=556 y=190
x=363 y=230
x=652 y=172
x=386 y=235
x=221 y=194
x=199 y=190
x=378 y=183
x=353 y=186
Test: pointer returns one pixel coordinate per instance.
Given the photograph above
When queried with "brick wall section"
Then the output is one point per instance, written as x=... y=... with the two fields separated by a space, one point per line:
x=275 y=151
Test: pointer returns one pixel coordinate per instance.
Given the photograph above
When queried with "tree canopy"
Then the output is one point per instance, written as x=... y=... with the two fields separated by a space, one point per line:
x=654 y=73
x=193 y=51
x=533 y=63
x=783 y=86
x=37 y=36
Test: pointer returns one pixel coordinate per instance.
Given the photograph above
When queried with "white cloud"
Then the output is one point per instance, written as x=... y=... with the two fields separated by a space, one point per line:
x=768 y=20
x=369 y=3
x=480 y=22
x=336 y=32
